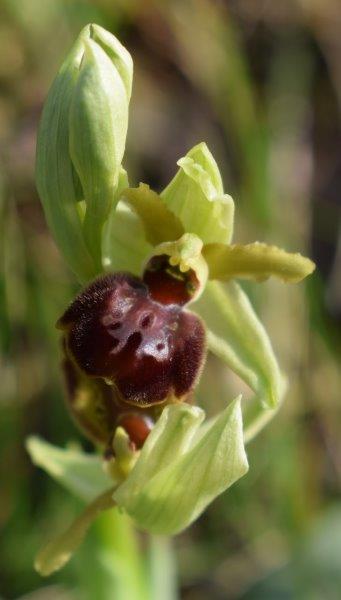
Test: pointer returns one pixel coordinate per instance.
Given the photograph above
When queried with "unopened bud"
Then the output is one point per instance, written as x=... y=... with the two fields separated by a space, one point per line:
x=81 y=144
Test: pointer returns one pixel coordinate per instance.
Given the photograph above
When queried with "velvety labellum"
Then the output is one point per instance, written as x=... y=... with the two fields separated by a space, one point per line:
x=97 y=411
x=149 y=352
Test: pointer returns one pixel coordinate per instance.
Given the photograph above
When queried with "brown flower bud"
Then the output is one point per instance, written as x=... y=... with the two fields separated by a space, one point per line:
x=138 y=426
x=96 y=410
x=167 y=284
x=150 y=352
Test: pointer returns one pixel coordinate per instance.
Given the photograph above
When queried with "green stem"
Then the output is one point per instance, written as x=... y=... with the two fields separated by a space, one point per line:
x=123 y=557
x=163 y=578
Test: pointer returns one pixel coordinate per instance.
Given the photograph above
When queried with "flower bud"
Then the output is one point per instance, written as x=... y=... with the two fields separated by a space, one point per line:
x=137 y=425
x=176 y=272
x=81 y=144
x=151 y=353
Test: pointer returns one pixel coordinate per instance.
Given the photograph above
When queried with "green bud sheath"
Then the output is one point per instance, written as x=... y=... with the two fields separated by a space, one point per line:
x=98 y=121
x=56 y=179
x=81 y=144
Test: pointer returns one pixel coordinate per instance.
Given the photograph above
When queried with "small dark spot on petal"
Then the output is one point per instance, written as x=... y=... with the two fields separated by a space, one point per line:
x=147 y=320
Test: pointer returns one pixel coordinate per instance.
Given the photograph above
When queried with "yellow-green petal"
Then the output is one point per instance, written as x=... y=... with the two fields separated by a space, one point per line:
x=256 y=261
x=160 y=224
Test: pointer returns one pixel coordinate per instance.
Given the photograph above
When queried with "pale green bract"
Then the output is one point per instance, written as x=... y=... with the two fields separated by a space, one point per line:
x=180 y=471
x=183 y=466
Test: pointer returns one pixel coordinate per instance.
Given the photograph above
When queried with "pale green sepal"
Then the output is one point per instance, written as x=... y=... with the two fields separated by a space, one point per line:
x=57 y=183
x=78 y=472
x=256 y=261
x=236 y=336
x=98 y=122
x=195 y=195
x=185 y=254
x=124 y=246
x=160 y=224
x=167 y=498
x=201 y=155
x=58 y=551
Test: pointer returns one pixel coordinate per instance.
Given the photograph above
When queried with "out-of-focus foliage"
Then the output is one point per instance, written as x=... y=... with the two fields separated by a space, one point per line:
x=260 y=83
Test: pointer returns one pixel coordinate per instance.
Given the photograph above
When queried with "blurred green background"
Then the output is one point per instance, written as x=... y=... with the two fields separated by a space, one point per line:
x=260 y=82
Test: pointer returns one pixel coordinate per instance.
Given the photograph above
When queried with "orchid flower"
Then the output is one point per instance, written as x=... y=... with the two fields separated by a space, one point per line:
x=165 y=293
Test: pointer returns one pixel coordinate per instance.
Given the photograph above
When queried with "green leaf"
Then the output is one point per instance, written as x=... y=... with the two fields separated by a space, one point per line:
x=186 y=473
x=80 y=473
x=195 y=195
x=160 y=224
x=98 y=122
x=237 y=337
x=256 y=261
x=57 y=182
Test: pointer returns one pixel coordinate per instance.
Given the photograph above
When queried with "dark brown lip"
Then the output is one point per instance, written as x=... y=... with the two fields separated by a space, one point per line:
x=151 y=351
